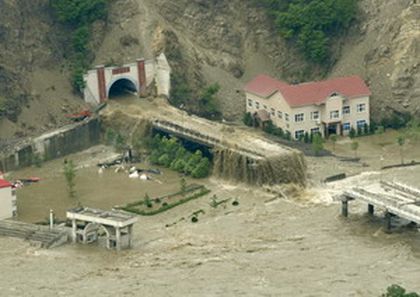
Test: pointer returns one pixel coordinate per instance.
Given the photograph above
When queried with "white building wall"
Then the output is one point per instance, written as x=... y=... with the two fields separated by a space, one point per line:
x=308 y=123
x=7 y=203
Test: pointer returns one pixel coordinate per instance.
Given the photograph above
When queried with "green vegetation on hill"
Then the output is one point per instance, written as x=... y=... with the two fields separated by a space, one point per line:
x=202 y=103
x=311 y=24
x=79 y=15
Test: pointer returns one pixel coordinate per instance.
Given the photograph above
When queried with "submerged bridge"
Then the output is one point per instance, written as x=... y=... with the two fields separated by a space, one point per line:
x=195 y=135
x=396 y=198
x=239 y=153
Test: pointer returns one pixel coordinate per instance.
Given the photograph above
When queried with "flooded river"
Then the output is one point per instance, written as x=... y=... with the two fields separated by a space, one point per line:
x=266 y=246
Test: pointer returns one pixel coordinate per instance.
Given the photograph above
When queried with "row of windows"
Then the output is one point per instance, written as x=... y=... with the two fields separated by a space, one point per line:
x=346 y=127
x=301 y=133
x=272 y=110
x=335 y=114
x=359 y=124
x=300 y=117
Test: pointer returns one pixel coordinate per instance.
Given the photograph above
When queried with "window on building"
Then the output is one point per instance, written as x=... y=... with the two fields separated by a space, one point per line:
x=346 y=109
x=346 y=127
x=335 y=114
x=299 y=134
x=249 y=102
x=361 y=124
x=273 y=112
x=299 y=117
x=265 y=106
x=280 y=114
x=257 y=105
x=315 y=131
x=286 y=116
x=361 y=107
x=314 y=115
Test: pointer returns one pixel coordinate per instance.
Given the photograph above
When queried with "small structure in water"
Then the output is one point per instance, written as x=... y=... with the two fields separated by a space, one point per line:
x=117 y=226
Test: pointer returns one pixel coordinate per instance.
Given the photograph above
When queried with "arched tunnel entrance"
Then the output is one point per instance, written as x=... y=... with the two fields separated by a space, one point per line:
x=121 y=88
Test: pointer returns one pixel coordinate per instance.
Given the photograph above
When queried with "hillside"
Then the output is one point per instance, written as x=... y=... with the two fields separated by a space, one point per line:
x=206 y=41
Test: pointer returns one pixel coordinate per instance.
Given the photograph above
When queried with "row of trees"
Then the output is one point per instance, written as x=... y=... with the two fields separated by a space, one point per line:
x=78 y=16
x=169 y=152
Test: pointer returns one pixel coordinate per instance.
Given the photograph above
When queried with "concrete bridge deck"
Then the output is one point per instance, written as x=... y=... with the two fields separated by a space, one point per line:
x=396 y=198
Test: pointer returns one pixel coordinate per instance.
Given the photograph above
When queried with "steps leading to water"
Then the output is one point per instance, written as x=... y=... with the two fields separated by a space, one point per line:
x=37 y=234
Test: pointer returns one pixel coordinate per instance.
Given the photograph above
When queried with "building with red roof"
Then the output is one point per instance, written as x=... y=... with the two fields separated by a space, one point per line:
x=7 y=200
x=327 y=107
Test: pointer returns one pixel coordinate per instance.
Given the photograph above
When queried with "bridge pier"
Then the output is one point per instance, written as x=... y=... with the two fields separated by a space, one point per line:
x=371 y=209
x=345 y=207
x=388 y=221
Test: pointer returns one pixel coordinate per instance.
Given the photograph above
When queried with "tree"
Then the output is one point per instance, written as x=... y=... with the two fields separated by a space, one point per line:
x=147 y=202
x=398 y=291
x=333 y=139
x=317 y=143
x=207 y=102
x=401 y=142
x=248 y=119
x=354 y=147
x=202 y=169
x=306 y=138
x=352 y=133
x=70 y=175
x=183 y=185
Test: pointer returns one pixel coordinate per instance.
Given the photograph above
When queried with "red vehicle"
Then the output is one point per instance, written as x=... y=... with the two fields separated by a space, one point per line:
x=80 y=116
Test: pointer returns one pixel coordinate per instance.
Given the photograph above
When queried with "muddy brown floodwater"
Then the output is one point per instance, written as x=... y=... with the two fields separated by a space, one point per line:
x=92 y=189
x=264 y=247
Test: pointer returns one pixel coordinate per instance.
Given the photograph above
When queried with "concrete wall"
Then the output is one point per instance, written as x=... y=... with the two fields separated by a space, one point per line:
x=61 y=142
x=7 y=203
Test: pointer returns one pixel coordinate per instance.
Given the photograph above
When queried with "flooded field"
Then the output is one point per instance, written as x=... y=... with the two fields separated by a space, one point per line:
x=266 y=246
x=92 y=188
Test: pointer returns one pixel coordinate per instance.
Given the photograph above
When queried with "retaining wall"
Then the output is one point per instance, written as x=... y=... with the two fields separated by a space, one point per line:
x=52 y=145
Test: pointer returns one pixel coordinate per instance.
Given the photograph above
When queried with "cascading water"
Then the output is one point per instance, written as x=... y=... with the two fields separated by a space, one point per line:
x=234 y=165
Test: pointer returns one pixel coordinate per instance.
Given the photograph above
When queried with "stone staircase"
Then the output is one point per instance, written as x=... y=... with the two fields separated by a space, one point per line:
x=36 y=234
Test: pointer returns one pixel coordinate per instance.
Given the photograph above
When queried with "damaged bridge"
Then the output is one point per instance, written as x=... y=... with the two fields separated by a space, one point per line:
x=240 y=153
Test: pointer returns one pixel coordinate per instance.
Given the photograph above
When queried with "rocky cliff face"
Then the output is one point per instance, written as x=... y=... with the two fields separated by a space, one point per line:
x=384 y=48
x=211 y=41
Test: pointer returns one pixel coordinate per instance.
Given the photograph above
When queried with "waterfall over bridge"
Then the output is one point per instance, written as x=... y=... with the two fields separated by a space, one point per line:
x=240 y=153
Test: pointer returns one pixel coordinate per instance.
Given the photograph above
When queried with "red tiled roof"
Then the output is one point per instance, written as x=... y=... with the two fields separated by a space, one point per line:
x=264 y=85
x=308 y=93
x=4 y=184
